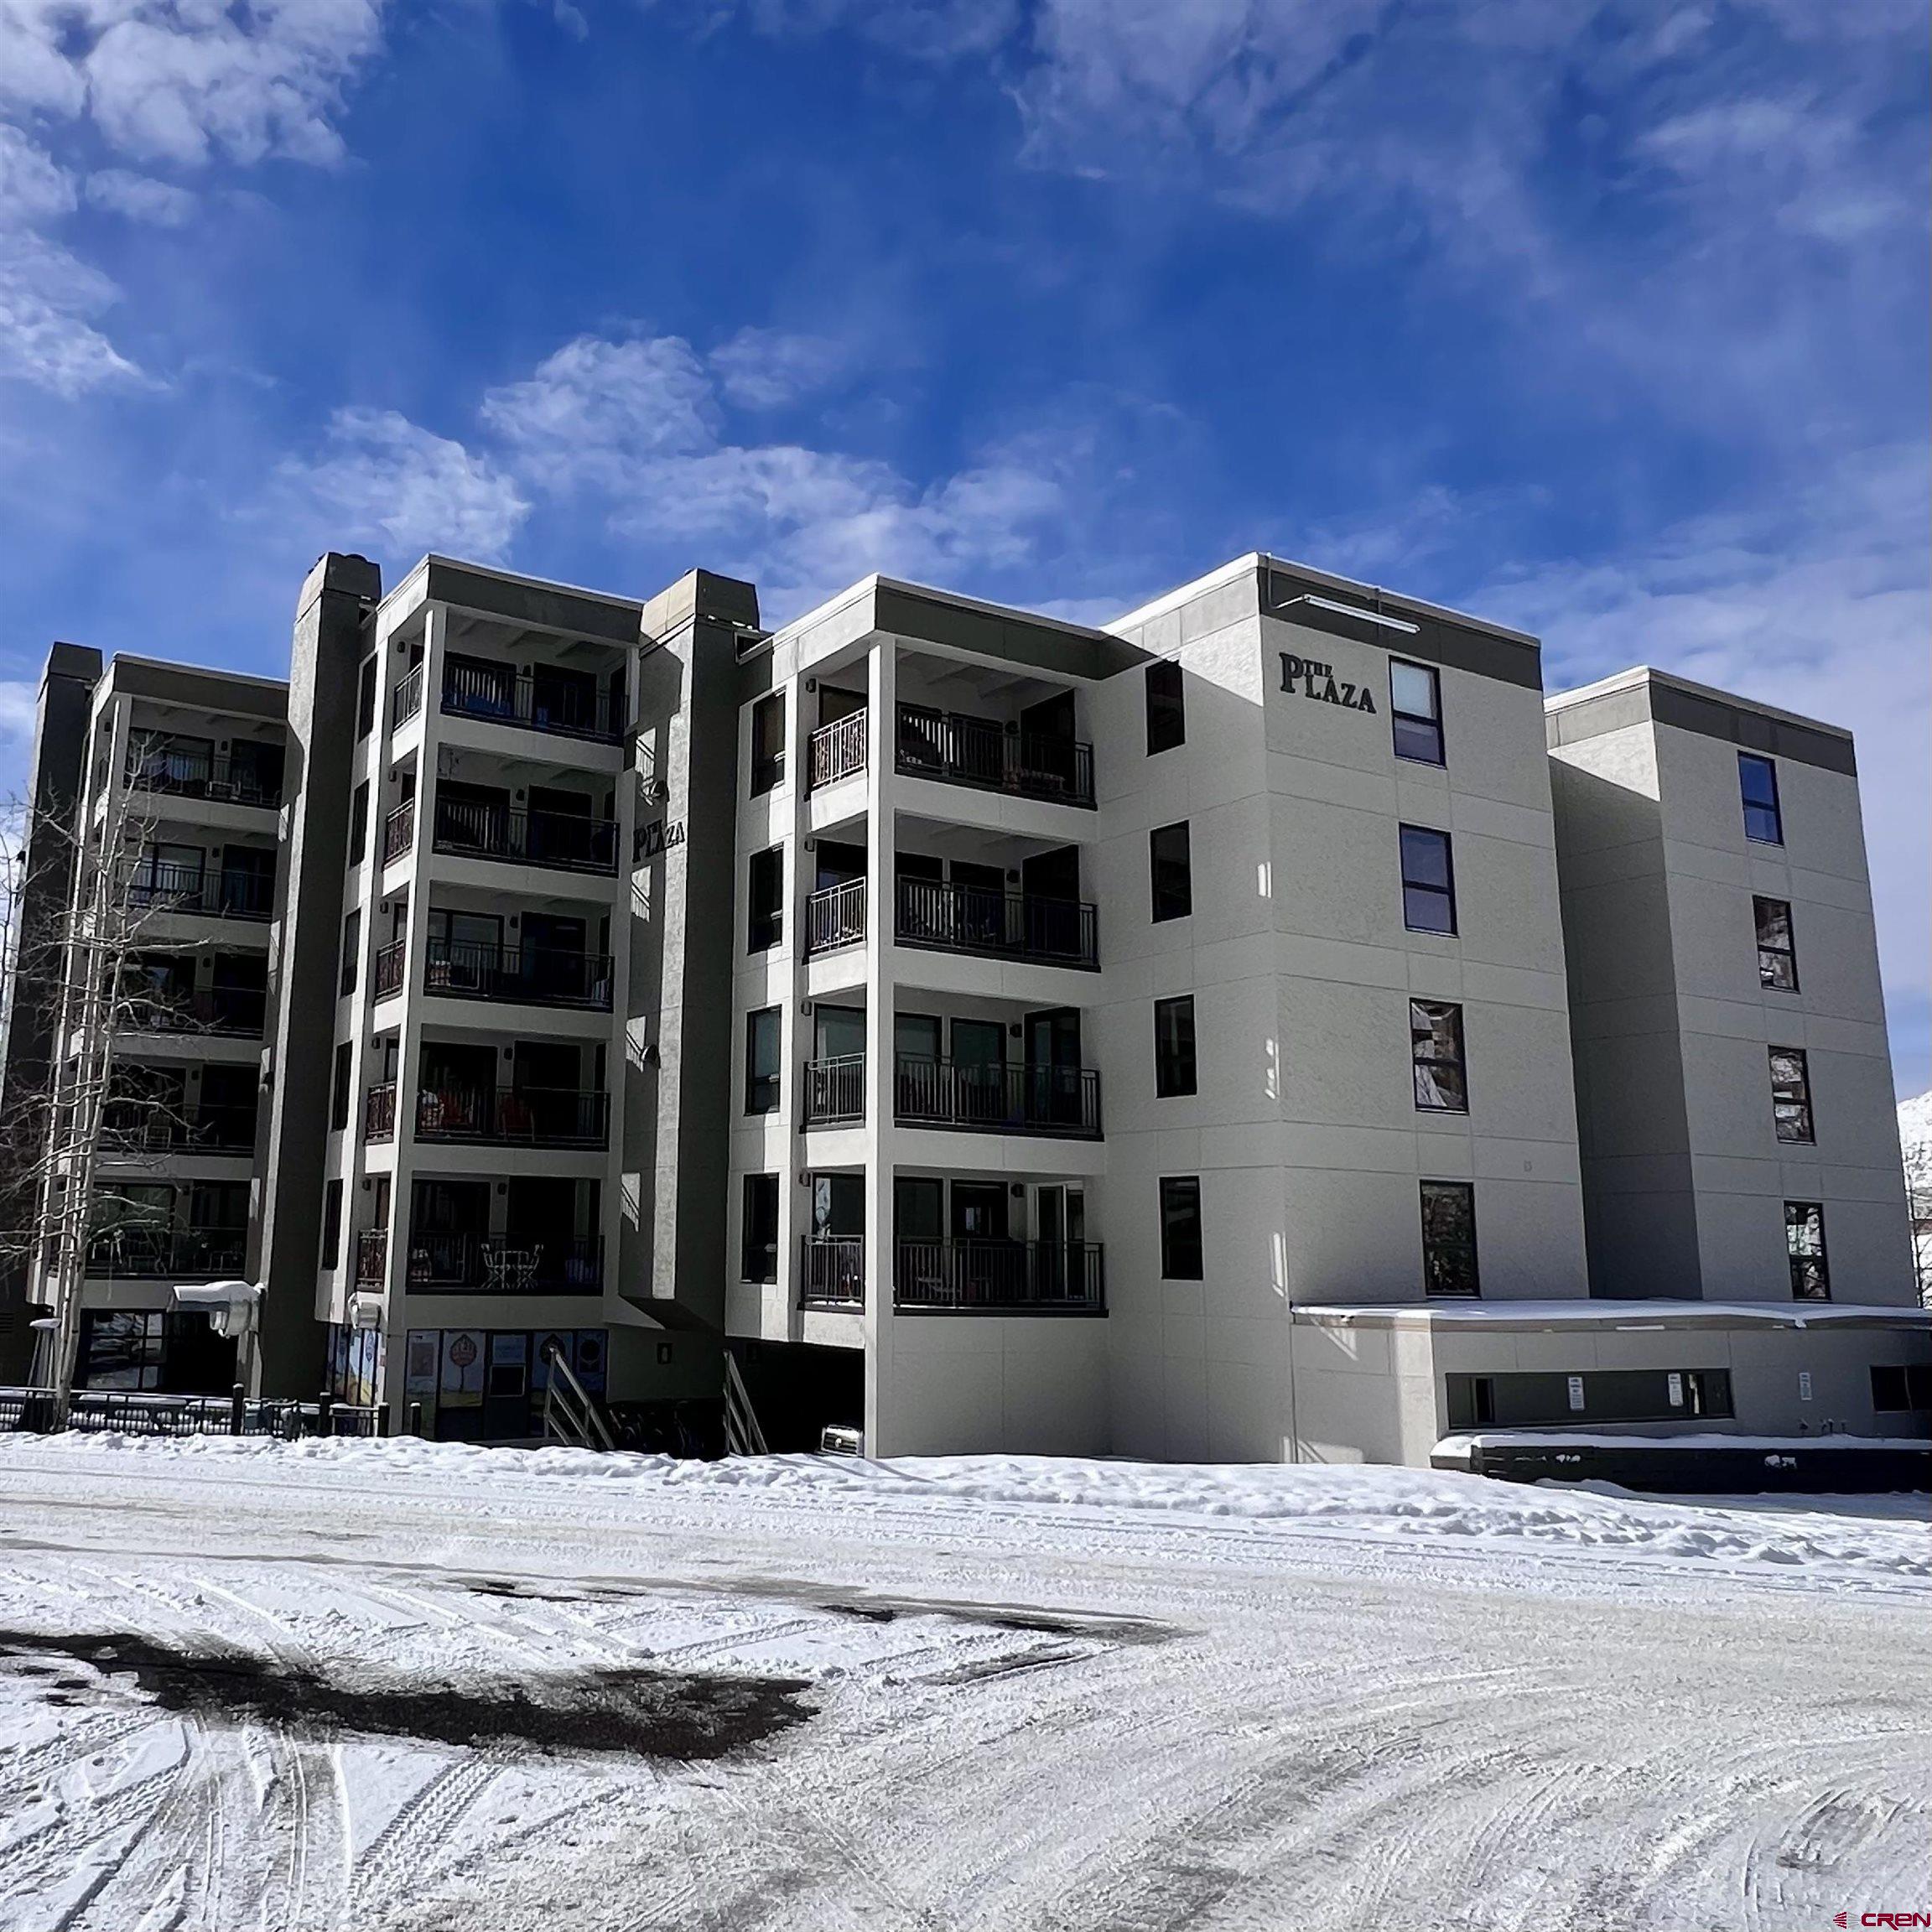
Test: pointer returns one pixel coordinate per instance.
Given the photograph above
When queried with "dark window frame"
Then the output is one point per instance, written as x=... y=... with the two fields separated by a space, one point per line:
x=351 y=949
x=366 y=680
x=1794 y=1106
x=1179 y=1199
x=1772 y=809
x=1810 y=1268
x=1772 y=952
x=332 y=1224
x=1899 y=1387
x=1418 y=725
x=1445 y=892
x=341 y=1086
x=1176 y=1061
x=761 y=1087
x=759 y=1191
x=1166 y=702
x=1420 y=1061
x=1178 y=904
x=767 y=769
x=1437 y=1264
x=765 y=925
x=359 y=824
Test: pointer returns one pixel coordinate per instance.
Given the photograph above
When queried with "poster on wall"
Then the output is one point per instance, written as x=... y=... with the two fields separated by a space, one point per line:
x=542 y=1343
x=462 y=1383
x=508 y=1363
x=419 y=1364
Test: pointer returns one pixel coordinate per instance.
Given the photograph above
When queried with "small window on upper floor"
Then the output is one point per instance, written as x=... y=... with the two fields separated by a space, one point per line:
x=359 y=824
x=1804 y=1244
x=1449 y=1239
x=1166 y=707
x=1777 y=953
x=1791 y=1094
x=365 y=698
x=339 y=1093
x=1416 y=709
x=1428 y=880
x=351 y=949
x=1181 y=1255
x=1170 y=872
x=332 y=1225
x=1435 y=1049
x=765 y=907
x=1758 y=780
x=1174 y=1047
x=761 y=1050
x=767 y=743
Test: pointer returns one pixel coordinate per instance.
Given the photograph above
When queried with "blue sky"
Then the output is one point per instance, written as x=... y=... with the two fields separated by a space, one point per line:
x=1604 y=319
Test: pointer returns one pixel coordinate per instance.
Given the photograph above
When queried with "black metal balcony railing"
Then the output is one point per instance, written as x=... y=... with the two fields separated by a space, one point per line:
x=373 y=1256
x=562 y=841
x=169 y=888
x=527 y=1116
x=835 y=1090
x=1061 y=1100
x=240 y=1011
x=534 y=976
x=995 y=757
x=836 y=916
x=832 y=1270
x=1007 y=1277
x=1013 y=925
x=140 y=1254
x=836 y=750
x=202 y=774
x=506 y=1264
x=136 y=1126
x=399 y=831
x=407 y=700
x=562 y=707
x=379 y=1113
x=392 y=964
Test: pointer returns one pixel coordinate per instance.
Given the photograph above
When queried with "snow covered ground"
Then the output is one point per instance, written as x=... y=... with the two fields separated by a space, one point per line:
x=375 y=1685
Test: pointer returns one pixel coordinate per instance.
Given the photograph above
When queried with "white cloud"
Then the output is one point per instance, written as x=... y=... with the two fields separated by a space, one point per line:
x=48 y=298
x=34 y=188
x=769 y=368
x=381 y=478
x=140 y=197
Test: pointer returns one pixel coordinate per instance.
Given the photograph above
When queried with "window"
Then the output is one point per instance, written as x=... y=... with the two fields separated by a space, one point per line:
x=767 y=743
x=1449 y=1238
x=332 y=1225
x=351 y=949
x=1777 y=956
x=1758 y=780
x=1791 y=1093
x=1166 y=707
x=765 y=918
x=1415 y=706
x=1428 y=880
x=761 y=1062
x=1181 y=1229
x=1172 y=873
x=1435 y=1046
x=1521 y=1399
x=1907 y=1387
x=359 y=824
x=1174 y=1047
x=366 y=699
x=759 y=1256
x=1804 y=1242
x=339 y=1095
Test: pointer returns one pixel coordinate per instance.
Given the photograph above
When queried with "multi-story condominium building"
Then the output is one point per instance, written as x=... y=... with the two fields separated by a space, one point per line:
x=999 y=1033
x=157 y=1006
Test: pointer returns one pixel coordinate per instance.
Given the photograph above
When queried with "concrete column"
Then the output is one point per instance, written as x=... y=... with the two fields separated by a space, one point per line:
x=881 y=1133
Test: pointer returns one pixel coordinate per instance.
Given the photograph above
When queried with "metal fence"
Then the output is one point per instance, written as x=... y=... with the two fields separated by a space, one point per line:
x=133 y=1412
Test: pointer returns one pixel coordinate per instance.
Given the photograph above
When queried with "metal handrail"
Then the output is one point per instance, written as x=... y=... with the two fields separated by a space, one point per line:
x=238 y=1011
x=534 y=975
x=399 y=831
x=836 y=916
x=836 y=750
x=501 y=1265
x=742 y=1434
x=998 y=1098
x=831 y=1270
x=379 y=1112
x=961 y=750
x=835 y=1090
x=954 y=918
x=408 y=699
x=138 y=1253
x=167 y=887
x=533 y=1116
x=373 y=1256
x=563 y=841
x=199 y=775
x=575 y=1416
x=1012 y=1277
x=536 y=704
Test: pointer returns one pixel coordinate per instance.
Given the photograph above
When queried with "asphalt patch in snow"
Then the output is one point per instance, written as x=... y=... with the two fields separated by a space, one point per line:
x=684 y=1716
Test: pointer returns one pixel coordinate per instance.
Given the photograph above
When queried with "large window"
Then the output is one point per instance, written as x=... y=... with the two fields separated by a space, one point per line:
x=765 y=916
x=1804 y=1243
x=1436 y=1046
x=761 y=1062
x=1415 y=706
x=1170 y=872
x=1777 y=954
x=1428 y=880
x=1449 y=1238
x=1758 y=780
x=359 y=824
x=351 y=950
x=1181 y=1229
x=1166 y=707
x=332 y=1225
x=338 y=1095
x=1899 y=1387
x=1174 y=1045
x=1791 y=1093
x=759 y=1243
x=767 y=742
x=365 y=698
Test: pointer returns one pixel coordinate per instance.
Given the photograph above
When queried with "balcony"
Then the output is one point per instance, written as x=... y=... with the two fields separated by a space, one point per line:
x=200 y=775
x=992 y=756
x=949 y=918
x=379 y=1113
x=565 y=705
x=399 y=831
x=999 y=1277
x=166 y=1254
x=832 y=1271
x=406 y=699
x=562 y=841
x=836 y=750
x=519 y=1116
x=166 y=888
x=139 y=1125
x=471 y=1263
x=835 y=1091
x=526 y=976
x=238 y=1012
x=371 y=1257
x=836 y=916
x=1062 y=1101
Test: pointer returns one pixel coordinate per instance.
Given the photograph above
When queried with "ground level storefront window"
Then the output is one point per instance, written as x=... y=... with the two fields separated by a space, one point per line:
x=154 y=1349
x=354 y=1364
x=487 y=1384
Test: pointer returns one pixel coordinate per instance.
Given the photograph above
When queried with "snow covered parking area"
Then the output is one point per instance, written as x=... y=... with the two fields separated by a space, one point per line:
x=375 y=1685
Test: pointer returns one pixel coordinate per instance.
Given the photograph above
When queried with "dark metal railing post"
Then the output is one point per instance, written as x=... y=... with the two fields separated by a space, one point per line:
x=237 y=1409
